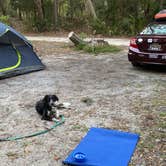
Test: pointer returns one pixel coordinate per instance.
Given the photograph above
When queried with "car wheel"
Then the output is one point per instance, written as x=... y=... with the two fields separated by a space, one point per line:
x=135 y=64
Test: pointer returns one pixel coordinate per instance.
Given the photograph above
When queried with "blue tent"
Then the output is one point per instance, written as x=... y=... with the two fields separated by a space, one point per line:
x=16 y=54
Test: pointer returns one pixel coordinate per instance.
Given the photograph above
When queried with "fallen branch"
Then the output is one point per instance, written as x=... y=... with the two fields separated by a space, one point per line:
x=75 y=39
x=78 y=41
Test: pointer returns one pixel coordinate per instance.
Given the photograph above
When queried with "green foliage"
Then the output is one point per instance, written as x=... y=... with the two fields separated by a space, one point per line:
x=41 y=25
x=99 y=27
x=126 y=17
x=22 y=5
x=98 y=48
x=83 y=35
x=114 y=17
x=4 y=19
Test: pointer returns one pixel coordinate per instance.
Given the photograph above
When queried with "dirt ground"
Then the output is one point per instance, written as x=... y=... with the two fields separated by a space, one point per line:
x=120 y=97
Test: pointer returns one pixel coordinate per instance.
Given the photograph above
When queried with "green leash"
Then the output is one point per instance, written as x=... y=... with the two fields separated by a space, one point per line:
x=56 y=124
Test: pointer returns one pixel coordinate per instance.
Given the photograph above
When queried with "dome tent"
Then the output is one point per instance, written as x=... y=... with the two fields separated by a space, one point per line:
x=16 y=54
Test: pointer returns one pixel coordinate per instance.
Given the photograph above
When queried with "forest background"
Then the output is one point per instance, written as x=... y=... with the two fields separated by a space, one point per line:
x=105 y=17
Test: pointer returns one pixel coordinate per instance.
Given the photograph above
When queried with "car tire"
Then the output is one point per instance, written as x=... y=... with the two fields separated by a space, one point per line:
x=135 y=64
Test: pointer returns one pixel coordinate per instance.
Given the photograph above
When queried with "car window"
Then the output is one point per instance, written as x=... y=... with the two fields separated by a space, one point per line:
x=155 y=29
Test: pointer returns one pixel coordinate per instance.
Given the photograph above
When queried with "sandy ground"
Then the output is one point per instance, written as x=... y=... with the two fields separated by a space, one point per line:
x=114 y=41
x=121 y=97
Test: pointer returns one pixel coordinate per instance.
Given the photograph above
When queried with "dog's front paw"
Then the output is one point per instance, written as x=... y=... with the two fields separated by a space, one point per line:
x=55 y=120
x=57 y=114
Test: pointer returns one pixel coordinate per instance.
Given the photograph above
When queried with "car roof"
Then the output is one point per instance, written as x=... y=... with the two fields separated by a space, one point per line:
x=158 y=22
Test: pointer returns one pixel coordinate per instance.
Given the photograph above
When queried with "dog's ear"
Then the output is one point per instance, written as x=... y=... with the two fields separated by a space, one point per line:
x=55 y=98
x=46 y=98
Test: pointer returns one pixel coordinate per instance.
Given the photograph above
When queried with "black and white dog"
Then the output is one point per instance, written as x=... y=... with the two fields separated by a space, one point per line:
x=44 y=107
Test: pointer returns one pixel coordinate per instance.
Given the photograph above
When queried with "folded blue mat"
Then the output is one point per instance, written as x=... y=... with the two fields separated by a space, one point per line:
x=103 y=147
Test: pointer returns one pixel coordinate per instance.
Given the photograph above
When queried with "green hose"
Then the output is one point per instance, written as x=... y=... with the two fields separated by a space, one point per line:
x=56 y=123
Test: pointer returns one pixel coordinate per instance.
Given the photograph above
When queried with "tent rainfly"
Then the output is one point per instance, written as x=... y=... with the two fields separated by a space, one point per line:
x=16 y=54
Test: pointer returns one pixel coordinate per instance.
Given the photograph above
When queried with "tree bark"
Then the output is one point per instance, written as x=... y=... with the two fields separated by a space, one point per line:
x=56 y=7
x=2 y=7
x=39 y=10
x=90 y=8
x=19 y=14
x=71 y=9
x=161 y=4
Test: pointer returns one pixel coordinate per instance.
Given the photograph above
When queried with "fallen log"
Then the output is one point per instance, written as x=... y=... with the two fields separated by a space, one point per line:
x=75 y=39
x=93 y=42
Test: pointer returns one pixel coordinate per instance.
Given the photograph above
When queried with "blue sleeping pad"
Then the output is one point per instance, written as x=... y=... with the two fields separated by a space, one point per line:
x=103 y=147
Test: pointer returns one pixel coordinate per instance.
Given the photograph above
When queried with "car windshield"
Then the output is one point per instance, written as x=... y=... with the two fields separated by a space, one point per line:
x=155 y=29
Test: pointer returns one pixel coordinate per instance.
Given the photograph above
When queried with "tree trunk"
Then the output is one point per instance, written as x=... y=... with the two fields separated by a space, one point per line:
x=39 y=10
x=71 y=9
x=161 y=4
x=2 y=7
x=90 y=8
x=20 y=15
x=75 y=39
x=56 y=7
x=147 y=10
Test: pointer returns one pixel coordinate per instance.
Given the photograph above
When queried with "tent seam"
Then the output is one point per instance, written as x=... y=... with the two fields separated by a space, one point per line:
x=16 y=65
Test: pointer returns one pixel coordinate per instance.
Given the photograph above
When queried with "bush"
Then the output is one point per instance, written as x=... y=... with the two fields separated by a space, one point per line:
x=42 y=25
x=98 y=48
x=99 y=27
x=83 y=35
x=4 y=19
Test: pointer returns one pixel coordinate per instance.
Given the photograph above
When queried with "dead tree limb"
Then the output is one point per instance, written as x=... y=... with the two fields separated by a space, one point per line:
x=95 y=42
x=75 y=39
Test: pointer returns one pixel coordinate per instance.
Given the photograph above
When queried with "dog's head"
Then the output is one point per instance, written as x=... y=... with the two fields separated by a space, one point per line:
x=51 y=100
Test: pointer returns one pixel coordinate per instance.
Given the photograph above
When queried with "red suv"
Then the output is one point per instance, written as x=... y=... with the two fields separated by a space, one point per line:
x=149 y=47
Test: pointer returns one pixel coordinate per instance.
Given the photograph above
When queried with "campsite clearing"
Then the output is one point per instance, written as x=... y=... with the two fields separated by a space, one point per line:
x=123 y=98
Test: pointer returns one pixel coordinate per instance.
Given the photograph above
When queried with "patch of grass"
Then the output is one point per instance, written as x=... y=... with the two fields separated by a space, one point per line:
x=162 y=125
x=152 y=128
x=88 y=101
x=162 y=114
x=98 y=49
x=12 y=155
x=79 y=127
x=83 y=35
x=4 y=19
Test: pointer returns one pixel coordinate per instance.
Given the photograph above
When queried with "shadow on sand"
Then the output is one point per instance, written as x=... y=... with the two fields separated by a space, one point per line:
x=153 y=68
